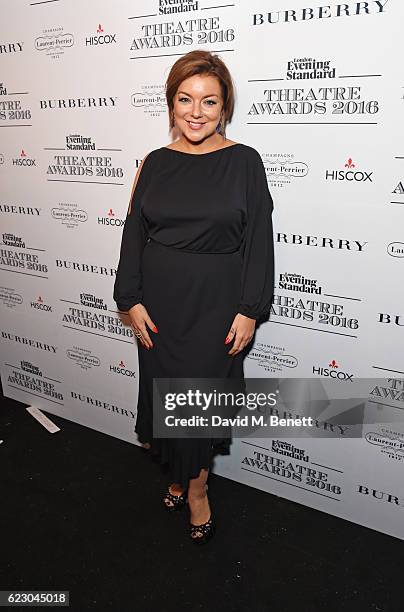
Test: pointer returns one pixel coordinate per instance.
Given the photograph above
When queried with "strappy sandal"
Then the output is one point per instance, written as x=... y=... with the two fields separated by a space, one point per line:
x=177 y=501
x=200 y=534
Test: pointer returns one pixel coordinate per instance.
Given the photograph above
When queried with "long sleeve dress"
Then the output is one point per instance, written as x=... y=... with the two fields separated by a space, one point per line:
x=197 y=248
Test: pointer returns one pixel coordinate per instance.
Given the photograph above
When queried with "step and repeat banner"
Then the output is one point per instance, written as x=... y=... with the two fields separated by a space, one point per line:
x=319 y=94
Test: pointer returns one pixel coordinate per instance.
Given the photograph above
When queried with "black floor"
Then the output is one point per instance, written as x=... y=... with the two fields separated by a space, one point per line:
x=81 y=511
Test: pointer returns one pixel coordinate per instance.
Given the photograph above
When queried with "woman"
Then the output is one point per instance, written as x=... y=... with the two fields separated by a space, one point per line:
x=196 y=264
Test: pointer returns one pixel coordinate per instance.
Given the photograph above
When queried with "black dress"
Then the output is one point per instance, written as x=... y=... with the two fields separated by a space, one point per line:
x=197 y=248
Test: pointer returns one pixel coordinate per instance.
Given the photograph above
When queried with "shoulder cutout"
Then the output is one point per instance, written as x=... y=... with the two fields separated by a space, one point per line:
x=135 y=183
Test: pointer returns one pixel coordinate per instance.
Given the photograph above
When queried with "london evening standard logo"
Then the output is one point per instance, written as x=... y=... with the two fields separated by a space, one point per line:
x=296 y=99
x=281 y=447
x=350 y=172
x=330 y=11
x=187 y=31
x=13 y=109
x=291 y=304
x=92 y=301
x=30 y=378
x=294 y=469
x=309 y=68
x=281 y=168
x=89 y=314
x=18 y=258
x=151 y=100
x=74 y=165
x=168 y=7
x=292 y=281
x=53 y=42
x=272 y=358
x=10 y=298
x=23 y=160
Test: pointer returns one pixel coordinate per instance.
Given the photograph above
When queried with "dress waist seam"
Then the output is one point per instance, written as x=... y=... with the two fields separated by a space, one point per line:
x=195 y=252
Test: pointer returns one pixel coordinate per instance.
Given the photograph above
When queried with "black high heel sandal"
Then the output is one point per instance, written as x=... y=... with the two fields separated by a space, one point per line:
x=178 y=501
x=206 y=529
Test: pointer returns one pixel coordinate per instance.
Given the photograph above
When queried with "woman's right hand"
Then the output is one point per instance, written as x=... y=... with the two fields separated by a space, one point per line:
x=139 y=316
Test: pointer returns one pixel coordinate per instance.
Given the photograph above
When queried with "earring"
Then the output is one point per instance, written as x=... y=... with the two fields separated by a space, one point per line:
x=222 y=127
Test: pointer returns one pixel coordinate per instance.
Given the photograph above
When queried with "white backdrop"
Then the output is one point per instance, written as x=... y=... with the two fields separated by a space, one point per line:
x=319 y=95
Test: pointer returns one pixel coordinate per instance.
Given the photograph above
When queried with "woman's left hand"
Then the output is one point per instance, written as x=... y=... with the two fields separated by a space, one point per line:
x=242 y=331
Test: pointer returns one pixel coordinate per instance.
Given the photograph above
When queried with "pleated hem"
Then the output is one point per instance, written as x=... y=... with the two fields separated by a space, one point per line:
x=186 y=457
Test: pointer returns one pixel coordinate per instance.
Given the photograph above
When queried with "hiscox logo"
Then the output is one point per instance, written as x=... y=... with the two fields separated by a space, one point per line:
x=332 y=371
x=39 y=304
x=23 y=160
x=100 y=38
x=122 y=370
x=390 y=319
x=53 y=42
x=110 y=220
x=346 y=9
x=349 y=173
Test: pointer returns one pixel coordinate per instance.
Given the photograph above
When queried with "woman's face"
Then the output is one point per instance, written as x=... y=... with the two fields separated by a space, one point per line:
x=197 y=106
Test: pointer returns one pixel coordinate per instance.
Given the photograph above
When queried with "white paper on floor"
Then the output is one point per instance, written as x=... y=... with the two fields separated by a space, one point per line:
x=39 y=416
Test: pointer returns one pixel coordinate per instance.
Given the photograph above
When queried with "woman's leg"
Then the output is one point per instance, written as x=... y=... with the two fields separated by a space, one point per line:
x=198 y=499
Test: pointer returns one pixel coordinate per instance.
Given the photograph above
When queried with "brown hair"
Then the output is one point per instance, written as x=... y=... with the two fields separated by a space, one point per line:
x=201 y=62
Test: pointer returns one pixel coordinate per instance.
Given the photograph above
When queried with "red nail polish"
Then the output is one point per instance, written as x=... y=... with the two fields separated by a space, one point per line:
x=155 y=329
x=227 y=340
